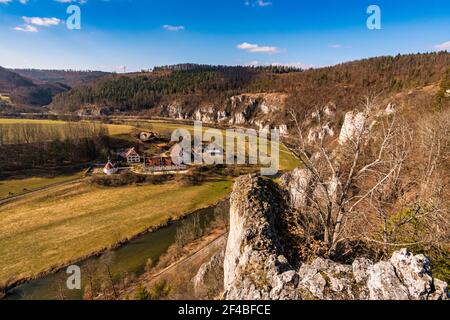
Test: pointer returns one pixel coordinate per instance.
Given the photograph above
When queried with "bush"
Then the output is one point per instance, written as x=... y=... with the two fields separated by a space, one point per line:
x=141 y=293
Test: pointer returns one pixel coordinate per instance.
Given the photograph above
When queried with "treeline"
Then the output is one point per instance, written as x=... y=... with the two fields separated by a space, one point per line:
x=25 y=146
x=191 y=84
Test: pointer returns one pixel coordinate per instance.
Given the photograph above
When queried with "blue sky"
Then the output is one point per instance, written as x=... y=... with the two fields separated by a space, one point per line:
x=139 y=34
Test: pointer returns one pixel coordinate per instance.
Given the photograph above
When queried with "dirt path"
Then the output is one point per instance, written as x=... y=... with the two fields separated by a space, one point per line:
x=26 y=194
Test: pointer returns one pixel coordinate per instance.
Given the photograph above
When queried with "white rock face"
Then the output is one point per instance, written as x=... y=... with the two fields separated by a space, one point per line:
x=300 y=187
x=283 y=130
x=352 y=127
x=298 y=184
x=233 y=250
x=390 y=109
x=175 y=111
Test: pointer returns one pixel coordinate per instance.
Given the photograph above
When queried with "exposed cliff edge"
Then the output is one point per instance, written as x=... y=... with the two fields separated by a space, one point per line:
x=255 y=266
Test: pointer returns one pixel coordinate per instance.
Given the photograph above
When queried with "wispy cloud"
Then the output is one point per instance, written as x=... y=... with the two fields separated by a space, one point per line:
x=335 y=46
x=26 y=28
x=259 y=3
x=169 y=27
x=443 y=46
x=42 y=22
x=72 y=1
x=255 y=48
x=31 y=23
x=9 y=1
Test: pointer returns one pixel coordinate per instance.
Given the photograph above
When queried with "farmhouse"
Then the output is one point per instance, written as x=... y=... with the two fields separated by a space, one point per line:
x=110 y=169
x=162 y=163
x=130 y=156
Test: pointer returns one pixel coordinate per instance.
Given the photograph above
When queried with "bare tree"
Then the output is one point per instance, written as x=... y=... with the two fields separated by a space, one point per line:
x=345 y=177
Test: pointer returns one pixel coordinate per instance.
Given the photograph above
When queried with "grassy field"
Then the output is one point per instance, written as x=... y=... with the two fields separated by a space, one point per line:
x=16 y=187
x=113 y=129
x=65 y=223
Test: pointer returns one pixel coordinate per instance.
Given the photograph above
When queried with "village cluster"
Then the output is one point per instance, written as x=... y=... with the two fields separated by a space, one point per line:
x=129 y=159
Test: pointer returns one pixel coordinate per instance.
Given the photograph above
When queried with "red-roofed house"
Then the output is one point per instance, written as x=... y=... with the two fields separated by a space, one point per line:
x=130 y=156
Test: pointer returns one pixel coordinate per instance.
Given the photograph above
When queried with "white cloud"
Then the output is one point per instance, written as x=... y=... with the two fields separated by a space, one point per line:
x=72 y=1
x=31 y=23
x=8 y=1
x=443 y=46
x=298 y=65
x=26 y=28
x=169 y=27
x=255 y=48
x=42 y=22
x=336 y=46
x=259 y=3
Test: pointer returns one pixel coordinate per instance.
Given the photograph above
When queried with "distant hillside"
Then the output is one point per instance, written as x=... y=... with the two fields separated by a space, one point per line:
x=191 y=86
x=69 y=78
x=10 y=80
x=23 y=92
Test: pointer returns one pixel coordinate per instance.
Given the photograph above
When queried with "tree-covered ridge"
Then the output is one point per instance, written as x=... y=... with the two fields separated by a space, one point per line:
x=191 y=84
x=70 y=78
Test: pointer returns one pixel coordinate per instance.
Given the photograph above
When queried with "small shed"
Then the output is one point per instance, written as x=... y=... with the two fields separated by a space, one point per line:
x=110 y=169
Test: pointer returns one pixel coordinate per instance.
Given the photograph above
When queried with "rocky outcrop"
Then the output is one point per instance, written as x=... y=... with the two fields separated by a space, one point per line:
x=255 y=266
x=94 y=111
x=298 y=184
x=252 y=110
x=353 y=125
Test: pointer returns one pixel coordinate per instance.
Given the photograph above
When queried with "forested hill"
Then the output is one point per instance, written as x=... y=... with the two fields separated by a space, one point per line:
x=70 y=78
x=10 y=80
x=194 y=84
x=24 y=92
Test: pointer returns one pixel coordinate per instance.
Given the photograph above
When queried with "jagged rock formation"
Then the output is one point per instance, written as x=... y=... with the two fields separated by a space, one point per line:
x=353 y=125
x=255 y=266
x=250 y=110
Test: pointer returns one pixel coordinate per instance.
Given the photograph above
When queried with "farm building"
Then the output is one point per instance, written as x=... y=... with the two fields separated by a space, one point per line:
x=130 y=156
x=162 y=163
x=146 y=136
x=110 y=169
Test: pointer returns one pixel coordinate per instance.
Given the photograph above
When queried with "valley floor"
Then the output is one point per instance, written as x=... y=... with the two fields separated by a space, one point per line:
x=46 y=230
